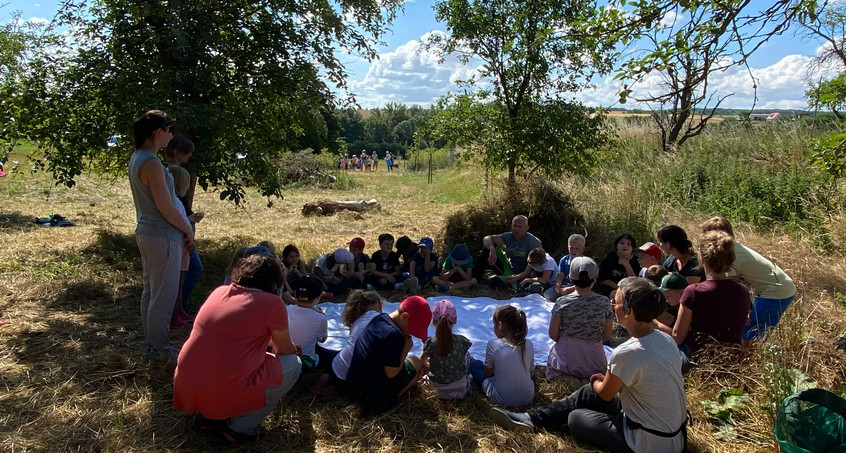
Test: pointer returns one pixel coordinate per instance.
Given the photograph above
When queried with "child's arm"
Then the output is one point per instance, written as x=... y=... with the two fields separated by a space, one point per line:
x=393 y=371
x=555 y=328
x=520 y=276
x=682 y=327
x=465 y=274
x=542 y=279
x=606 y=386
x=489 y=357
x=281 y=341
x=428 y=264
x=411 y=265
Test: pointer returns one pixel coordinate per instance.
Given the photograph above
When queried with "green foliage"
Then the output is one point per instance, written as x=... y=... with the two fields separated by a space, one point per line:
x=840 y=298
x=781 y=381
x=721 y=409
x=306 y=168
x=528 y=54
x=420 y=159
x=240 y=78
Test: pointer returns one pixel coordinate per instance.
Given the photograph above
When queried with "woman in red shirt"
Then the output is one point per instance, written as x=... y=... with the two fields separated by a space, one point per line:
x=224 y=371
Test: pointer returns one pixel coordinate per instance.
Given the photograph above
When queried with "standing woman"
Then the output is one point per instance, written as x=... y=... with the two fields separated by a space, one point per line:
x=674 y=242
x=160 y=233
x=617 y=265
x=179 y=150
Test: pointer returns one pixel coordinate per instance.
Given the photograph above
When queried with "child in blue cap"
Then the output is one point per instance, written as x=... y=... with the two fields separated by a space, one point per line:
x=422 y=267
x=457 y=271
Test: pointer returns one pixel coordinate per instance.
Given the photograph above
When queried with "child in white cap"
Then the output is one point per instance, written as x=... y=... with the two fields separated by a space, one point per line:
x=447 y=354
x=328 y=269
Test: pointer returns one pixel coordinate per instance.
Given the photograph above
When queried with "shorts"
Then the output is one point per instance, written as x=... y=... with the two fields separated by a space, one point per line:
x=388 y=396
x=765 y=316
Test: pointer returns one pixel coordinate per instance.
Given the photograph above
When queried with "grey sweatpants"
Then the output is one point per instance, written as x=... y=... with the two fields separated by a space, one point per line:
x=161 y=259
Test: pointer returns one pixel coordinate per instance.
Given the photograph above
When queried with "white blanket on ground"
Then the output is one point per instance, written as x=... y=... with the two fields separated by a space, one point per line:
x=474 y=322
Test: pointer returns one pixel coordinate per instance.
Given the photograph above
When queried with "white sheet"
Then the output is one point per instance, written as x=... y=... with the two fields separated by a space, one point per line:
x=474 y=322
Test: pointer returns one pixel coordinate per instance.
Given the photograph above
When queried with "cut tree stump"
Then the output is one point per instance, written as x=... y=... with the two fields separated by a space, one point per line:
x=328 y=207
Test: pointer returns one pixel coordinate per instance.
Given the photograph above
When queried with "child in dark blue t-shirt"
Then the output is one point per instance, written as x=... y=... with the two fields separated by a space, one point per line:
x=380 y=369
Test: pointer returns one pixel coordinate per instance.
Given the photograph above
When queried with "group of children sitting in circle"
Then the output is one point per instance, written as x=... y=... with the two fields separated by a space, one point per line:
x=633 y=400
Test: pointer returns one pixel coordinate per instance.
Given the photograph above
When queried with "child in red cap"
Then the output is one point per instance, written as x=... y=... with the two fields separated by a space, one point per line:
x=380 y=369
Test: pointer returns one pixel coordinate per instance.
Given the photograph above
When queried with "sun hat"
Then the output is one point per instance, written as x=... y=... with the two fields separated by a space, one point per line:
x=426 y=242
x=357 y=243
x=444 y=308
x=673 y=281
x=419 y=316
x=651 y=249
x=581 y=264
x=459 y=254
x=308 y=288
x=344 y=256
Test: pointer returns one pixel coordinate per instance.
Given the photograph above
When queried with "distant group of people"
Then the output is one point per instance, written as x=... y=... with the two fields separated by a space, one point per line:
x=247 y=348
x=364 y=161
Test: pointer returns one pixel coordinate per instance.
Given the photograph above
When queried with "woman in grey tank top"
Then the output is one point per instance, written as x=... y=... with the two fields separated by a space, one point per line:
x=161 y=232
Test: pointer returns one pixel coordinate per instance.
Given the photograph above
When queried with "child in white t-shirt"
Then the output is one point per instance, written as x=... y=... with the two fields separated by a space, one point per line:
x=309 y=326
x=507 y=375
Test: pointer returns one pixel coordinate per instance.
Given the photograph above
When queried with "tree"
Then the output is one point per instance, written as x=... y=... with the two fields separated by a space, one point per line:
x=685 y=43
x=243 y=79
x=829 y=26
x=528 y=58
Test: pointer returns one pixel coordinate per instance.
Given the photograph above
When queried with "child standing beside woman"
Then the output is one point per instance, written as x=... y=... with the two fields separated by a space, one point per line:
x=507 y=375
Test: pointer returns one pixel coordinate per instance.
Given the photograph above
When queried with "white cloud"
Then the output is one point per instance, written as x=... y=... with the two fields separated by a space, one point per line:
x=409 y=75
x=781 y=85
x=671 y=18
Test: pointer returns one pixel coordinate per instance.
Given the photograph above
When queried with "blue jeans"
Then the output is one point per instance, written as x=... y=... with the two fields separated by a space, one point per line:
x=477 y=370
x=765 y=316
x=192 y=277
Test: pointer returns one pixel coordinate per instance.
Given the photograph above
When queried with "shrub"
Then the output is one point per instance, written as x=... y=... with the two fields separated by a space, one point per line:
x=418 y=159
x=305 y=168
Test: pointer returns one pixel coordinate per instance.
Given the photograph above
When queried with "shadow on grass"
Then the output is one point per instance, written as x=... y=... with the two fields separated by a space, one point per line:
x=16 y=221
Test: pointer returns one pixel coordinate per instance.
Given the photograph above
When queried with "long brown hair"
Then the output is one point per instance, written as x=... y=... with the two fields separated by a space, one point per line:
x=515 y=324
x=443 y=335
x=358 y=303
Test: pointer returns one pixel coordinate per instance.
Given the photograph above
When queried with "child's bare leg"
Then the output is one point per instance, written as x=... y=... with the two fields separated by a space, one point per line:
x=418 y=365
x=465 y=283
x=439 y=281
x=177 y=307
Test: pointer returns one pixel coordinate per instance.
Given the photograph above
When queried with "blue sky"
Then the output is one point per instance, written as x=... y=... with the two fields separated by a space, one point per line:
x=404 y=74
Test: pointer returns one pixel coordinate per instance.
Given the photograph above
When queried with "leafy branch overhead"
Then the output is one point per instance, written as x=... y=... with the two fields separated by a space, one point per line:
x=244 y=80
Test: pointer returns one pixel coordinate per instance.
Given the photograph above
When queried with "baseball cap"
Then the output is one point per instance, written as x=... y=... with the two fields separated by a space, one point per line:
x=673 y=281
x=357 y=243
x=444 y=308
x=419 y=316
x=343 y=256
x=459 y=254
x=308 y=288
x=581 y=264
x=426 y=242
x=651 y=249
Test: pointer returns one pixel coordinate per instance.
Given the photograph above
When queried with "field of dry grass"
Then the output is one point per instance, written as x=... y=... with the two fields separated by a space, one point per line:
x=70 y=356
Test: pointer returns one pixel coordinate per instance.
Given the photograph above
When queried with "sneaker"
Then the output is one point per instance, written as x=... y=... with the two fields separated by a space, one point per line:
x=177 y=324
x=443 y=288
x=512 y=421
x=371 y=287
x=151 y=354
x=410 y=286
x=398 y=286
x=186 y=318
x=170 y=352
x=234 y=437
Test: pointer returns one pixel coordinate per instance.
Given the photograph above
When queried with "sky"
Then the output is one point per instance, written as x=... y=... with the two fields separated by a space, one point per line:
x=404 y=73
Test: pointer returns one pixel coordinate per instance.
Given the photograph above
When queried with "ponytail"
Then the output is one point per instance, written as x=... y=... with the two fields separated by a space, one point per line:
x=514 y=320
x=443 y=335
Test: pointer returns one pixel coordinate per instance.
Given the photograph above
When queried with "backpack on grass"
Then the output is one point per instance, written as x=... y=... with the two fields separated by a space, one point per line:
x=812 y=420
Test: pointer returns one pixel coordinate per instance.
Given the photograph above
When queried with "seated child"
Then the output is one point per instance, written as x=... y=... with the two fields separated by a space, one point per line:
x=358 y=268
x=457 y=271
x=380 y=369
x=406 y=248
x=447 y=354
x=648 y=254
x=361 y=308
x=673 y=286
x=563 y=285
x=328 y=268
x=295 y=265
x=507 y=376
x=638 y=403
x=539 y=274
x=384 y=267
x=655 y=274
x=422 y=267
x=580 y=322
x=308 y=325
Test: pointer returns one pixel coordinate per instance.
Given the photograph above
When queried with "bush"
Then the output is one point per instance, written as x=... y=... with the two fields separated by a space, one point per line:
x=418 y=159
x=552 y=218
x=305 y=168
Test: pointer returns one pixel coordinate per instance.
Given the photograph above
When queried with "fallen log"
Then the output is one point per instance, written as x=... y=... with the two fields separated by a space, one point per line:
x=328 y=207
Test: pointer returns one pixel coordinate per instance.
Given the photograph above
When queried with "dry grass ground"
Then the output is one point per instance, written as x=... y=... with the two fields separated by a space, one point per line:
x=70 y=357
